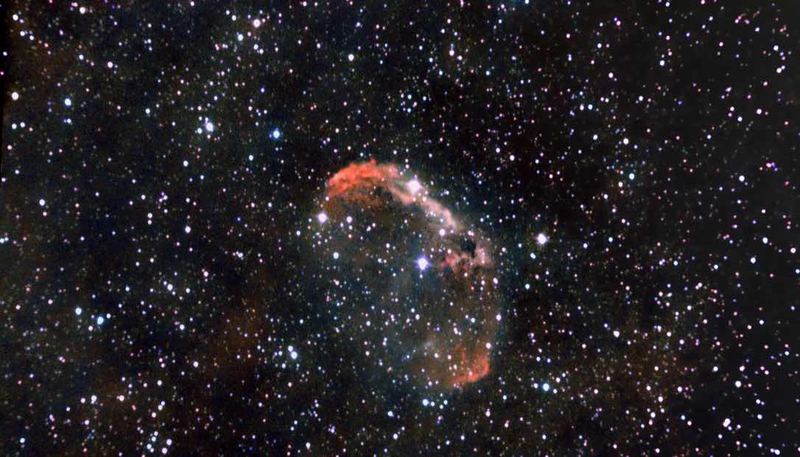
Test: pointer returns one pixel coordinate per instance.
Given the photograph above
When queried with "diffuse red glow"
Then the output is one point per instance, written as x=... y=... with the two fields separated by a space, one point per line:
x=469 y=354
x=358 y=176
x=472 y=367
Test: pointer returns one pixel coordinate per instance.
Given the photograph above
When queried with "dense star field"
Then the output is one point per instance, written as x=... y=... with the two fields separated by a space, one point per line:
x=406 y=228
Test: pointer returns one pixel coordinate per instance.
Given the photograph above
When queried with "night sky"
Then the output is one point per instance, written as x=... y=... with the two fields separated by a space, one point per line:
x=518 y=228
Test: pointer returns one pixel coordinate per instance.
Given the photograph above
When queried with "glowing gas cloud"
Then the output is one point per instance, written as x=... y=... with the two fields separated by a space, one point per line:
x=358 y=182
x=429 y=281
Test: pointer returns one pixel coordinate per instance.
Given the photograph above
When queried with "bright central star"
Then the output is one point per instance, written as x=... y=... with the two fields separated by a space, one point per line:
x=422 y=263
x=414 y=186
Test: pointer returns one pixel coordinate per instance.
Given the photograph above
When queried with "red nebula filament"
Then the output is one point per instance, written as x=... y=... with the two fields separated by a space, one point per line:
x=359 y=176
x=477 y=366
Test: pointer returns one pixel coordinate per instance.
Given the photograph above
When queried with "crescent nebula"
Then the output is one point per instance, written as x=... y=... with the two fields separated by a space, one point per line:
x=427 y=280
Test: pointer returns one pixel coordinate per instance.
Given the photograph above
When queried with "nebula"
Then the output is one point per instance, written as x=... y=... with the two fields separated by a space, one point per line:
x=358 y=182
x=429 y=281
x=477 y=366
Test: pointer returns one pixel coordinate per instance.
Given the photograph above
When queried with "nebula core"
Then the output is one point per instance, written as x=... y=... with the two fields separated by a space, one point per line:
x=428 y=280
